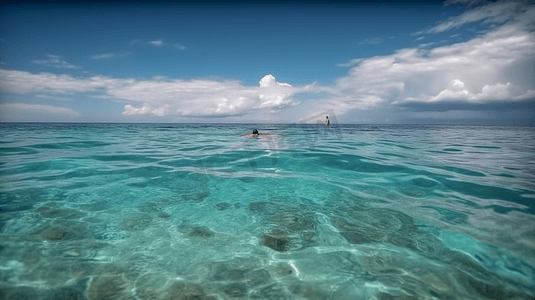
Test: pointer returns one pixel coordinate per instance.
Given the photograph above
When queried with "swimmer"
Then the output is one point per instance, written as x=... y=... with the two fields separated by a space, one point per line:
x=255 y=133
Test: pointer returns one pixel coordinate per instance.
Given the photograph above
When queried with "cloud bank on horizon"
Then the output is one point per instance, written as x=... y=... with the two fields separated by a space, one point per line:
x=484 y=78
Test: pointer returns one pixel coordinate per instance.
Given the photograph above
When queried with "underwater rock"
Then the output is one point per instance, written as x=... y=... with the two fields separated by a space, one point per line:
x=257 y=277
x=50 y=212
x=272 y=291
x=221 y=206
x=240 y=270
x=74 y=292
x=294 y=226
x=201 y=232
x=153 y=205
x=21 y=292
x=135 y=221
x=296 y=221
x=4 y=218
x=163 y=215
x=357 y=234
x=16 y=207
x=276 y=240
x=80 y=269
x=382 y=263
x=229 y=272
x=494 y=291
x=112 y=287
x=313 y=291
x=115 y=281
x=59 y=233
x=290 y=219
x=30 y=257
x=196 y=231
x=185 y=291
x=97 y=206
x=235 y=290
x=282 y=269
x=199 y=197
x=258 y=206
x=359 y=226
x=150 y=286
x=129 y=271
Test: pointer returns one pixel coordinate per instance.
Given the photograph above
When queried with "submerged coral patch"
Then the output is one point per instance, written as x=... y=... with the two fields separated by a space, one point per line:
x=277 y=240
x=221 y=206
x=135 y=221
x=52 y=212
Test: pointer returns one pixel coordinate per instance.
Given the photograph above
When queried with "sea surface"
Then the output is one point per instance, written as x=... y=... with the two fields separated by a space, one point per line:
x=201 y=211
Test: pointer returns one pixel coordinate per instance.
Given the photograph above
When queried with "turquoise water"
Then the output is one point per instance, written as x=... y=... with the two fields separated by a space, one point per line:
x=165 y=211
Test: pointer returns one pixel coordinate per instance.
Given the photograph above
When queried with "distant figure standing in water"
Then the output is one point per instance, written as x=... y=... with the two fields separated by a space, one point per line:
x=327 y=122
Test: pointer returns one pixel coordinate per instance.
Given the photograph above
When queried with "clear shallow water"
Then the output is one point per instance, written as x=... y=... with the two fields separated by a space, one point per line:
x=162 y=211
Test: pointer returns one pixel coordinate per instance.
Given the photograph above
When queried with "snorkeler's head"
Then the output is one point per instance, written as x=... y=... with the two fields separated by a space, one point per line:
x=255 y=131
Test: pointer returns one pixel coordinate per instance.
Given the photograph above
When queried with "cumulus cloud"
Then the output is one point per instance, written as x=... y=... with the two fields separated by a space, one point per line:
x=32 y=112
x=54 y=61
x=489 y=69
x=498 y=91
x=484 y=69
x=204 y=97
x=163 y=97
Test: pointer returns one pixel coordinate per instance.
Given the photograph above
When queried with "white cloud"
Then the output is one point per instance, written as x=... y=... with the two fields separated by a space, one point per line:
x=492 y=13
x=51 y=97
x=491 y=69
x=498 y=91
x=103 y=56
x=55 y=61
x=111 y=55
x=425 y=45
x=203 y=97
x=180 y=47
x=467 y=2
x=160 y=96
x=22 y=82
x=157 y=43
x=33 y=112
x=351 y=63
x=488 y=69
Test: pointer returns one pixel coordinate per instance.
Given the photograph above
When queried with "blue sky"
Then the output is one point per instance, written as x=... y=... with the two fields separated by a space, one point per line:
x=467 y=62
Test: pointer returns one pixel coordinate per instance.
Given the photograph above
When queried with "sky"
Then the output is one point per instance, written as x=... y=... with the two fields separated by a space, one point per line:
x=465 y=62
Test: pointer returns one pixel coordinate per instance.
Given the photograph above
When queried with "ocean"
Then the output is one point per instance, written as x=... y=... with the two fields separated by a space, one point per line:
x=201 y=211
